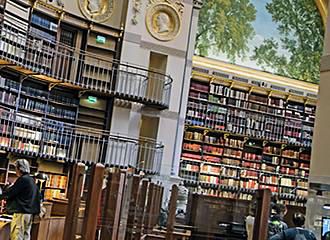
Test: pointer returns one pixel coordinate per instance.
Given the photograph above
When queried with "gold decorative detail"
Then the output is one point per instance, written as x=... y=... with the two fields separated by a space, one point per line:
x=251 y=89
x=323 y=8
x=96 y=10
x=164 y=18
x=136 y=10
x=231 y=85
x=57 y=6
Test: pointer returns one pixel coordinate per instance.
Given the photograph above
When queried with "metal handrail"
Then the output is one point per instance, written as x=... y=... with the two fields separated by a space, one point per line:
x=50 y=139
x=87 y=70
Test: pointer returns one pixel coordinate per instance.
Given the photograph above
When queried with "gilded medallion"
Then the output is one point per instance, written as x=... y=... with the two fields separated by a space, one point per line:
x=163 y=21
x=96 y=10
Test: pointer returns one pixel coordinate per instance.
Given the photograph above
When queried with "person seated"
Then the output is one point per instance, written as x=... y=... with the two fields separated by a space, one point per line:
x=296 y=233
x=326 y=236
x=276 y=221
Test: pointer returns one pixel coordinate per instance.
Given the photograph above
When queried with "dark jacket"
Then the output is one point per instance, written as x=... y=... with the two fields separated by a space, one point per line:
x=23 y=196
x=276 y=225
x=294 y=234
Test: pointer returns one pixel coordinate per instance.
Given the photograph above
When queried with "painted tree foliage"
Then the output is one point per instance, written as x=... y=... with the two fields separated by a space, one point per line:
x=225 y=26
x=301 y=37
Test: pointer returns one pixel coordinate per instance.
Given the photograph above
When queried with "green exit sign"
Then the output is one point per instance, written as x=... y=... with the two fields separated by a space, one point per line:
x=92 y=99
x=100 y=39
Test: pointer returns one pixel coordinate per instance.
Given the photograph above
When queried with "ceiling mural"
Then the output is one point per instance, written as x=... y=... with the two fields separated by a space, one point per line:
x=284 y=37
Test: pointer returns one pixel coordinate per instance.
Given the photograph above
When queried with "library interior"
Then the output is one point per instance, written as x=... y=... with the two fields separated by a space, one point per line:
x=164 y=119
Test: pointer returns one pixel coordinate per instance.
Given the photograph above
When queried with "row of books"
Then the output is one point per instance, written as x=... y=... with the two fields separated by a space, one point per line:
x=189 y=167
x=43 y=22
x=8 y=98
x=249 y=126
x=225 y=91
x=54 y=151
x=27 y=133
x=34 y=92
x=253 y=161
x=253 y=185
x=268 y=151
x=33 y=105
x=32 y=147
x=54 y=193
x=42 y=34
x=56 y=181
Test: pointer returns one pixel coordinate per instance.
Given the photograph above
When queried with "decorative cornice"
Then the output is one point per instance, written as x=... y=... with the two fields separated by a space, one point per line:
x=252 y=73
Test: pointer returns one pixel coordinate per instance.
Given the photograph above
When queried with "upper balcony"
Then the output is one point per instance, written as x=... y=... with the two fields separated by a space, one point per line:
x=59 y=141
x=60 y=64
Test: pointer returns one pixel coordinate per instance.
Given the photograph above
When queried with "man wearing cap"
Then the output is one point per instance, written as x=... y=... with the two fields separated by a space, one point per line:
x=23 y=201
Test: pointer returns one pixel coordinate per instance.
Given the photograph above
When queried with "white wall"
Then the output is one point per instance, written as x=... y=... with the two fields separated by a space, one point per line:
x=137 y=45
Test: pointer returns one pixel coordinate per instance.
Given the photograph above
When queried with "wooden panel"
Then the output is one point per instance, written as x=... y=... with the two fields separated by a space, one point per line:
x=147 y=214
x=93 y=202
x=260 y=230
x=171 y=212
x=140 y=208
x=74 y=202
x=132 y=208
x=56 y=229
x=118 y=207
x=110 y=205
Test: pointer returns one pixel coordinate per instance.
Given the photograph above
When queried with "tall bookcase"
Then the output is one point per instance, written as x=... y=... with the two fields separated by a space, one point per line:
x=31 y=104
x=239 y=138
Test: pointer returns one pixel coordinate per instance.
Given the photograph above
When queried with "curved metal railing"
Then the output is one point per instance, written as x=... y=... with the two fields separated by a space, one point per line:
x=55 y=140
x=51 y=60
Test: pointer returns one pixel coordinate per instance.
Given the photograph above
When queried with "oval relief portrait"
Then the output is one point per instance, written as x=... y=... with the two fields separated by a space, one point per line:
x=163 y=22
x=96 y=10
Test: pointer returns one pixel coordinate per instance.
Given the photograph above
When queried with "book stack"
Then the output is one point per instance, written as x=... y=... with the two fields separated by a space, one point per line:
x=257 y=139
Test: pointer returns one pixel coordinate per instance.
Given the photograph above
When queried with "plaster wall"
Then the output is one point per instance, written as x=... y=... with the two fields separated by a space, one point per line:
x=137 y=45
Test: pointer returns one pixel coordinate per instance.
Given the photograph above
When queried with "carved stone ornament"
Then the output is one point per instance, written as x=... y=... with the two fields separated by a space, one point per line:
x=136 y=10
x=164 y=18
x=96 y=10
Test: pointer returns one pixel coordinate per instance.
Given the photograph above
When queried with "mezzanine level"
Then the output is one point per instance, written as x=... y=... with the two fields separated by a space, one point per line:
x=58 y=141
x=48 y=60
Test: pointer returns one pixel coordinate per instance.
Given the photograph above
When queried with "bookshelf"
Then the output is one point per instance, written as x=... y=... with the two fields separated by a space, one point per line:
x=34 y=98
x=238 y=140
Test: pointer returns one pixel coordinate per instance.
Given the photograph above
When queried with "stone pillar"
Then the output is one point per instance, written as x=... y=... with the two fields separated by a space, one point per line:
x=319 y=180
x=146 y=35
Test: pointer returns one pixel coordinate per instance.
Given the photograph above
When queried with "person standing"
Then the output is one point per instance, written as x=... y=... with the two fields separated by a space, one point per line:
x=276 y=222
x=23 y=201
x=296 y=233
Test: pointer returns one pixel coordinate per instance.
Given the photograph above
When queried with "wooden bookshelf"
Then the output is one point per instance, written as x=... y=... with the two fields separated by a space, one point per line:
x=246 y=140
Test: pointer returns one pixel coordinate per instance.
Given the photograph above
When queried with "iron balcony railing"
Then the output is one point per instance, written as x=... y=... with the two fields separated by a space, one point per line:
x=50 y=60
x=59 y=141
